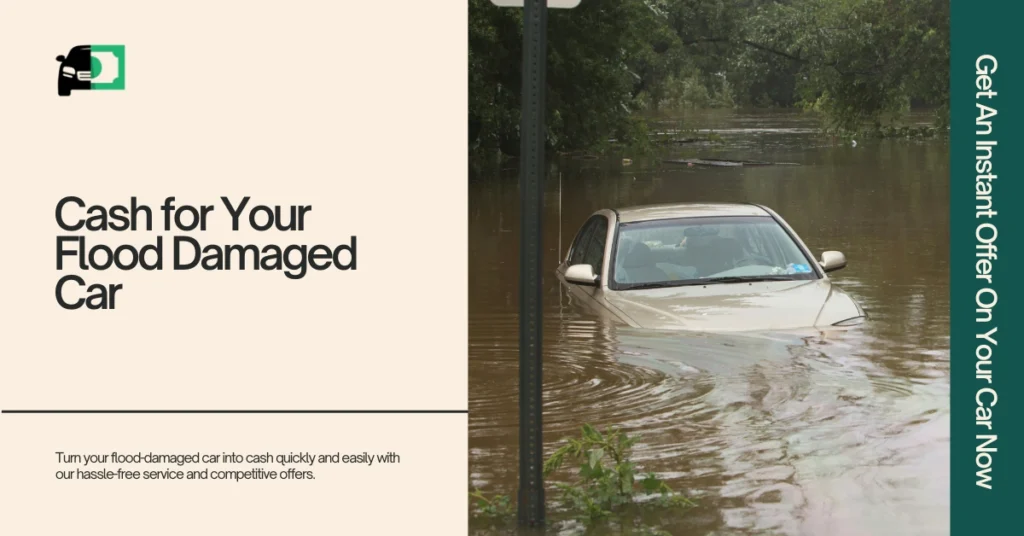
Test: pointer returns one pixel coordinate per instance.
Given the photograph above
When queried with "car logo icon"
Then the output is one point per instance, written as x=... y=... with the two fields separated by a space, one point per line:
x=91 y=67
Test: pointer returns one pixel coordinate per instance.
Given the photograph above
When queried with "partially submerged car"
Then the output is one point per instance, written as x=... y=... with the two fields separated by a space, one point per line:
x=705 y=267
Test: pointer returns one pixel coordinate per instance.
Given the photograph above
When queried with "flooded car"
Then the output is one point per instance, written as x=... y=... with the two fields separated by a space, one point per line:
x=705 y=267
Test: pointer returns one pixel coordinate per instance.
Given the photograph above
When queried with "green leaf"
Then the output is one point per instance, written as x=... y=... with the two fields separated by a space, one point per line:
x=651 y=483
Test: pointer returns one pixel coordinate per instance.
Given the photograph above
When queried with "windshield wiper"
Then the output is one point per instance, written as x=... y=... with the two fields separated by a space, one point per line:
x=711 y=281
x=662 y=284
x=749 y=279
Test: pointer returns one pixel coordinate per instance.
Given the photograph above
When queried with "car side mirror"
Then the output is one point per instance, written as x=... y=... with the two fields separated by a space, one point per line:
x=581 y=274
x=60 y=58
x=832 y=261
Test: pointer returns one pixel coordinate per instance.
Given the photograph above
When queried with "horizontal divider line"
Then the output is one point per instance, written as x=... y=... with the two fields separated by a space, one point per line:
x=353 y=411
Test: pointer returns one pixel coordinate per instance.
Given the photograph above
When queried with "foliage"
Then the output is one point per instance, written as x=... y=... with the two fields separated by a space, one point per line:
x=590 y=80
x=859 y=63
x=607 y=479
x=635 y=134
x=606 y=485
x=866 y=60
x=497 y=507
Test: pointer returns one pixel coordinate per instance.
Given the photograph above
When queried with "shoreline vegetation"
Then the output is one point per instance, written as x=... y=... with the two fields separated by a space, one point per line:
x=618 y=68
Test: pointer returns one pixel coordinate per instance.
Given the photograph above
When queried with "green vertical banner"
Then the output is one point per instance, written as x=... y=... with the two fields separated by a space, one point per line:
x=986 y=148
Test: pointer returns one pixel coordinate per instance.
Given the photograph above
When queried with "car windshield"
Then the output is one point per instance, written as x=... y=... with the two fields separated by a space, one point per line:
x=706 y=250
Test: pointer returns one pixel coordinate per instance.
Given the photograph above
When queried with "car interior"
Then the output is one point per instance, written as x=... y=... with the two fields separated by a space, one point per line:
x=639 y=264
x=677 y=255
x=703 y=256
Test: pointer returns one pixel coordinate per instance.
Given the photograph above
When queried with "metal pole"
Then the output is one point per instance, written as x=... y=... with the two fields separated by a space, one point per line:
x=531 y=184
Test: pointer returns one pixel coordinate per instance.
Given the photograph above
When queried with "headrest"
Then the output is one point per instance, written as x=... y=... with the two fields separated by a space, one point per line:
x=638 y=255
x=699 y=241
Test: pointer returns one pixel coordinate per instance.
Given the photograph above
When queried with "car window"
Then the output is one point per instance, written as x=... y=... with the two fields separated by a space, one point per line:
x=579 y=245
x=755 y=242
x=594 y=253
x=692 y=250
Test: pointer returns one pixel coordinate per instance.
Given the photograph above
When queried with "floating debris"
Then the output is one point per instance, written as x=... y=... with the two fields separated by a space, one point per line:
x=679 y=141
x=714 y=162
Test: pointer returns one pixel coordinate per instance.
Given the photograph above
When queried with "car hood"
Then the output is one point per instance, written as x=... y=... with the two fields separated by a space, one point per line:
x=773 y=305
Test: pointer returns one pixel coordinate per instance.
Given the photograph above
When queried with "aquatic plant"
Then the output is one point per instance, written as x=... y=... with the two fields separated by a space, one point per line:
x=497 y=507
x=606 y=489
x=607 y=482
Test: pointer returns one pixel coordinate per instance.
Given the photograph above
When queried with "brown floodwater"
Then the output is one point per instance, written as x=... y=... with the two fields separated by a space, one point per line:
x=769 y=434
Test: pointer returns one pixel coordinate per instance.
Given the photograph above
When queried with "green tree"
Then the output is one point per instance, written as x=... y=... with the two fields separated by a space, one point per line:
x=857 y=62
x=860 y=61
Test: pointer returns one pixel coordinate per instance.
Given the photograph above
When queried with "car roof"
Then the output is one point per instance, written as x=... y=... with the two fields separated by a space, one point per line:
x=688 y=210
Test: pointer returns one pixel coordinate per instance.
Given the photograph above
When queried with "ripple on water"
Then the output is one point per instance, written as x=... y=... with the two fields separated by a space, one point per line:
x=771 y=433
x=726 y=417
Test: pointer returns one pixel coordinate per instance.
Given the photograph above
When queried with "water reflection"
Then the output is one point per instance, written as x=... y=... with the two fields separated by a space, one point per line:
x=772 y=433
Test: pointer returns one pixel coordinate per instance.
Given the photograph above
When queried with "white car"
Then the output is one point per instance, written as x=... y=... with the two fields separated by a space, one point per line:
x=705 y=267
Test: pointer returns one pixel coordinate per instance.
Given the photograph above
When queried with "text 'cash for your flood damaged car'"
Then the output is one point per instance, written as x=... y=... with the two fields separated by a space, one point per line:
x=705 y=267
